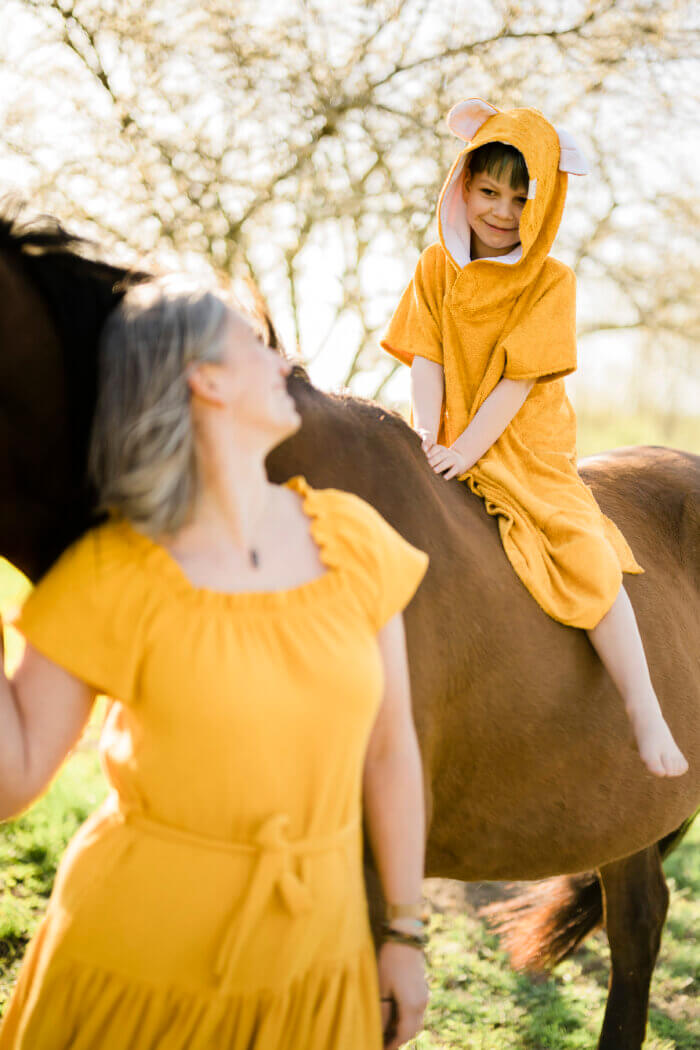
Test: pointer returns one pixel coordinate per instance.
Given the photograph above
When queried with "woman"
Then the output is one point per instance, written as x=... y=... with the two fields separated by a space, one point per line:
x=252 y=639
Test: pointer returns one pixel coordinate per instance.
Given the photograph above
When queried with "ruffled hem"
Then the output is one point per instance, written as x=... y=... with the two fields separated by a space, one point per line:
x=82 y=1007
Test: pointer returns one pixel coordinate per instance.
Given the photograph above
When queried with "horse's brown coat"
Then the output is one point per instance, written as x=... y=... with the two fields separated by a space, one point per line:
x=530 y=763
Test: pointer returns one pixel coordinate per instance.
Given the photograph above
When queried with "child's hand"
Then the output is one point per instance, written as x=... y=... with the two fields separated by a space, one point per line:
x=427 y=438
x=447 y=461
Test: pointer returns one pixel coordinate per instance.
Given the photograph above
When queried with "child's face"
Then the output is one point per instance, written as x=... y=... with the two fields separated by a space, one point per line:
x=493 y=208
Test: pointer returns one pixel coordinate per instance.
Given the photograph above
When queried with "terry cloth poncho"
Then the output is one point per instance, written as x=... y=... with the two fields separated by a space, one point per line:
x=515 y=316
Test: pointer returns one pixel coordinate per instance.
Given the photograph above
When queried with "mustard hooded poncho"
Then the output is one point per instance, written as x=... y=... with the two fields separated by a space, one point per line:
x=515 y=316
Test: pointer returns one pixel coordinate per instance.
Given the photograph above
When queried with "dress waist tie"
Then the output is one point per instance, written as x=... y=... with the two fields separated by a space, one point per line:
x=272 y=852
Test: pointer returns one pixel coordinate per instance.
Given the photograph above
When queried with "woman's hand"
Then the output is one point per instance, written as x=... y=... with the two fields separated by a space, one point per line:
x=402 y=976
x=447 y=461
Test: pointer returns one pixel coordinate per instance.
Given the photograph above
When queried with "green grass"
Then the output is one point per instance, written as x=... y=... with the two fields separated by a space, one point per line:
x=477 y=1001
x=30 y=849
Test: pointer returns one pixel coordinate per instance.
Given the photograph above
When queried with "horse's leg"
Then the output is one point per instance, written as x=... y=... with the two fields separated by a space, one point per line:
x=635 y=899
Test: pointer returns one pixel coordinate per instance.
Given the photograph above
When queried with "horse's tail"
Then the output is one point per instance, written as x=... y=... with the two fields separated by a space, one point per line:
x=545 y=923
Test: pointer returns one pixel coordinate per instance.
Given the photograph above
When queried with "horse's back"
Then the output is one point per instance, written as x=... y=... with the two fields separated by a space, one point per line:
x=533 y=741
x=653 y=494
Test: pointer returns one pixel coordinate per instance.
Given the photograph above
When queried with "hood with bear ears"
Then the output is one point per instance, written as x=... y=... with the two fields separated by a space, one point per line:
x=550 y=153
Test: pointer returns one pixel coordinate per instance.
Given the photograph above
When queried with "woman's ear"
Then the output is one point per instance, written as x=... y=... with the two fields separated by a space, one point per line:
x=202 y=381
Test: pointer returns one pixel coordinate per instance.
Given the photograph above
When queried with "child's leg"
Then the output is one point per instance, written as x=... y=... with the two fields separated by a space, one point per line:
x=618 y=643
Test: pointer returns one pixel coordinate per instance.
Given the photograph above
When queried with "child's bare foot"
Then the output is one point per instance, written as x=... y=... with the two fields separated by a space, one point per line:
x=659 y=750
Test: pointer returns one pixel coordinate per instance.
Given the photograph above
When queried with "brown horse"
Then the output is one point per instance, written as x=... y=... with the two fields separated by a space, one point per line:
x=529 y=762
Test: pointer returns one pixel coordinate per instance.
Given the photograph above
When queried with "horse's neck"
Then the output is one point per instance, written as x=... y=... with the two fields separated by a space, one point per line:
x=35 y=457
x=352 y=444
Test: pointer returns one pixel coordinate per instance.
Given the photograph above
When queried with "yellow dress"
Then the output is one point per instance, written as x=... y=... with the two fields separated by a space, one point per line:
x=216 y=900
x=514 y=317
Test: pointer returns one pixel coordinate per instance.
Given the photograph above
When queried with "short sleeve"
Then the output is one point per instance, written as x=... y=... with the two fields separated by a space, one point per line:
x=388 y=568
x=416 y=327
x=84 y=615
x=543 y=345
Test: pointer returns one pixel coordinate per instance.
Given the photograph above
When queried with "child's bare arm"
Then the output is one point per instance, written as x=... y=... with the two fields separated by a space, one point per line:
x=502 y=404
x=427 y=392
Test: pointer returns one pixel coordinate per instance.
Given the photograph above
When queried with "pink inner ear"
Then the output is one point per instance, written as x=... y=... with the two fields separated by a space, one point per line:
x=571 y=157
x=466 y=117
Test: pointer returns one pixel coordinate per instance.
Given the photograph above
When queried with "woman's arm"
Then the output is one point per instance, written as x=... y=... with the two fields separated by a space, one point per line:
x=503 y=403
x=427 y=392
x=43 y=711
x=393 y=778
x=395 y=815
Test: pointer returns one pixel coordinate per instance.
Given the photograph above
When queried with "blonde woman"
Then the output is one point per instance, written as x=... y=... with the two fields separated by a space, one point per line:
x=252 y=639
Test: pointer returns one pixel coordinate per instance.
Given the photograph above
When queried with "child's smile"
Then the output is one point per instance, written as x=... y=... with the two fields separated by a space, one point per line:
x=502 y=229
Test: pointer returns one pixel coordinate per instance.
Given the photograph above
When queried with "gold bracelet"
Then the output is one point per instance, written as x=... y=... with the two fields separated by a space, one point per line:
x=406 y=911
x=413 y=940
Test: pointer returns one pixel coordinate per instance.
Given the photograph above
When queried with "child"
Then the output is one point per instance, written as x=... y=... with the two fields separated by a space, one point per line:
x=488 y=326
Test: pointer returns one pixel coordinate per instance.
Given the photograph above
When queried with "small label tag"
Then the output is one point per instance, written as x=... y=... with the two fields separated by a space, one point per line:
x=531 y=189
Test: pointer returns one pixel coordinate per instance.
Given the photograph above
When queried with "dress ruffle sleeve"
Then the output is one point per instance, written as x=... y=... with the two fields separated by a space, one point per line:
x=543 y=345
x=84 y=616
x=416 y=327
x=387 y=567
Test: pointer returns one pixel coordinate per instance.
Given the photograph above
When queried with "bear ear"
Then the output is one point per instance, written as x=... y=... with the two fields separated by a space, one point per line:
x=571 y=158
x=466 y=117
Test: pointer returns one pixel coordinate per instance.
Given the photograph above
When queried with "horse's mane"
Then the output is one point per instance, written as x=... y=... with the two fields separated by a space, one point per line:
x=77 y=288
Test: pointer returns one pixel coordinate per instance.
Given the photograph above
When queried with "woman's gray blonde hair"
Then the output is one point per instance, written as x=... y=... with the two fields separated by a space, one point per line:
x=142 y=454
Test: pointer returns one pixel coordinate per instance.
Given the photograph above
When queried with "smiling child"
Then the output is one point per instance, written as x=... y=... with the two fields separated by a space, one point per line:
x=488 y=326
